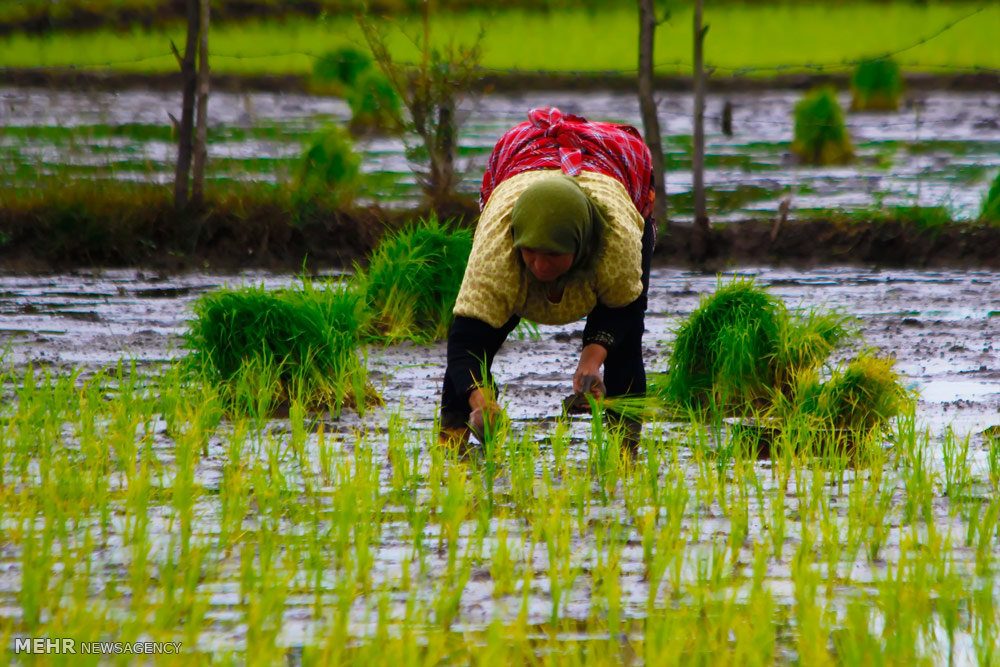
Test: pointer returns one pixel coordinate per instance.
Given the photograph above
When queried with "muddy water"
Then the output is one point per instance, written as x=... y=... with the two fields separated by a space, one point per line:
x=941 y=149
x=940 y=325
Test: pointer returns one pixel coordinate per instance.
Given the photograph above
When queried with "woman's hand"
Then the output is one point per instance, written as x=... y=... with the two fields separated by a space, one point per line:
x=588 y=378
x=484 y=411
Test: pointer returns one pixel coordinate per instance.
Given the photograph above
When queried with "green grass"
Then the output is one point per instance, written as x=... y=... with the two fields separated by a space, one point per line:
x=928 y=218
x=767 y=39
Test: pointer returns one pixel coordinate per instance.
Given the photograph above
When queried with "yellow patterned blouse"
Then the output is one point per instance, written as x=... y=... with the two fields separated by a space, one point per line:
x=497 y=285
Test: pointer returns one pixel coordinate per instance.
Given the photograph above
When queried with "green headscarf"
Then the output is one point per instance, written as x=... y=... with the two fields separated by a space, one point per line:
x=556 y=215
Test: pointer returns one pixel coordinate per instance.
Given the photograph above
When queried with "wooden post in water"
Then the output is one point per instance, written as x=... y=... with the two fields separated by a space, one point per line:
x=700 y=232
x=650 y=120
x=186 y=124
x=201 y=133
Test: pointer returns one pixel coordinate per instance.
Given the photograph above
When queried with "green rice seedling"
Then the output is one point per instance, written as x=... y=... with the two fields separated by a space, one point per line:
x=990 y=211
x=329 y=170
x=502 y=569
x=295 y=344
x=993 y=460
x=375 y=104
x=454 y=507
x=606 y=572
x=412 y=280
x=957 y=470
x=876 y=85
x=522 y=462
x=984 y=616
x=821 y=138
x=557 y=534
x=720 y=354
x=986 y=542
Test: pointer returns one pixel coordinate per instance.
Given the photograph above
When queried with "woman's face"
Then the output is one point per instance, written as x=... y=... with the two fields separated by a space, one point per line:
x=546 y=266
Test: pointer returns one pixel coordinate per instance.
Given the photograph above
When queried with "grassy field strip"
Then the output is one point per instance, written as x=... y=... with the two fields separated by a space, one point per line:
x=757 y=39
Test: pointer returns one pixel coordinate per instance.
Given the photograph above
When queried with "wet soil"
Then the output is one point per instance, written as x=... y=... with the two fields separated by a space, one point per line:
x=943 y=327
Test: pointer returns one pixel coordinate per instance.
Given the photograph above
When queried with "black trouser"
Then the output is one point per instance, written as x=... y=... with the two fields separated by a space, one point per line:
x=473 y=344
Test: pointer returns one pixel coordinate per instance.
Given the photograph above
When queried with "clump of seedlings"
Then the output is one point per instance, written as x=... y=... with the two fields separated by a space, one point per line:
x=857 y=399
x=720 y=355
x=821 y=138
x=991 y=203
x=330 y=169
x=341 y=66
x=349 y=73
x=743 y=354
x=412 y=281
x=876 y=85
x=375 y=104
x=265 y=349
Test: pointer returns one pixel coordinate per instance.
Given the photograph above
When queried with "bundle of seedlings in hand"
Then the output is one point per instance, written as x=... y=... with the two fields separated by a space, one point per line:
x=876 y=85
x=412 y=281
x=265 y=349
x=821 y=137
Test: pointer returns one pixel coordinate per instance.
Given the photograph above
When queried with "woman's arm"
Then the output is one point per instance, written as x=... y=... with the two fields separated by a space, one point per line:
x=472 y=344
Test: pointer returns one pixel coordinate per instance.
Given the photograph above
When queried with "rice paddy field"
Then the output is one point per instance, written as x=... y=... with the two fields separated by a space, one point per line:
x=135 y=508
x=144 y=508
x=753 y=38
x=939 y=152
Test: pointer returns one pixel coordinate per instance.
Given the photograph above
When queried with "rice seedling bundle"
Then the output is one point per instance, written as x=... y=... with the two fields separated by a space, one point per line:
x=375 y=104
x=343 y=65
x=876 y=85
x=721 y=353
x=742 y=353
x=858 y=397
x=991 y=204
x=329 y=169
x=412 y=281
x=298 y=344
x=821 y=137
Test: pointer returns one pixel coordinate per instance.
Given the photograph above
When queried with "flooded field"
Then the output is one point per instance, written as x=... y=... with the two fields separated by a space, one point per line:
x=130 y=515
x=942 y=149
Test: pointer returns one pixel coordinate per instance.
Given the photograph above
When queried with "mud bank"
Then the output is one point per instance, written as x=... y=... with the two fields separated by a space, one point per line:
x=270 y=238
x=510 y=82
